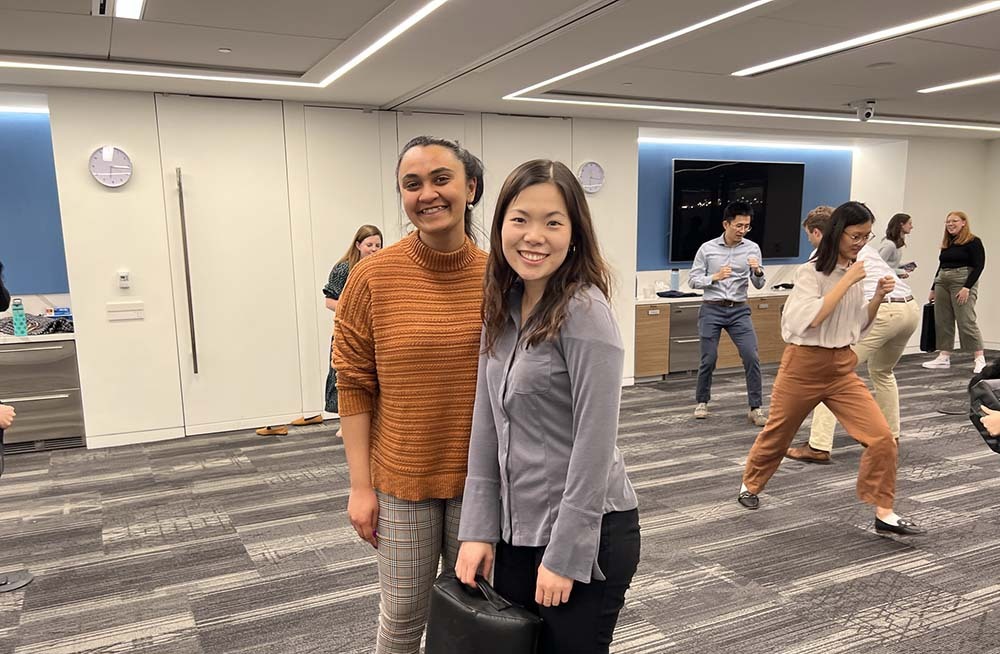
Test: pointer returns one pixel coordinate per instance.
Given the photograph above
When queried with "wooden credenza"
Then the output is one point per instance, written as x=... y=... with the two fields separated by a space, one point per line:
x=653 y=336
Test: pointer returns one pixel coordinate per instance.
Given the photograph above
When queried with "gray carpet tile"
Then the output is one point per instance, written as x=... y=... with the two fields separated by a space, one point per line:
x=239 y=544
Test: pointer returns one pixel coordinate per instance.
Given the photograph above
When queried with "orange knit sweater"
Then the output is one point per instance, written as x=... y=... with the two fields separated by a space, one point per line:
x=406 y=348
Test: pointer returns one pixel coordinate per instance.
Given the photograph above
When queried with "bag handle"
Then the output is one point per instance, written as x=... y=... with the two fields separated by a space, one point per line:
x=490 y=594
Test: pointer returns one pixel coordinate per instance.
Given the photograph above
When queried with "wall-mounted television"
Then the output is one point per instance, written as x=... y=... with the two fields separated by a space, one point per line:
x=702 y=189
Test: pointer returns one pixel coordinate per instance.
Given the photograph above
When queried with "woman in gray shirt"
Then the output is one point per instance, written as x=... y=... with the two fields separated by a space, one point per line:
x=890 y=249
x=546 y=483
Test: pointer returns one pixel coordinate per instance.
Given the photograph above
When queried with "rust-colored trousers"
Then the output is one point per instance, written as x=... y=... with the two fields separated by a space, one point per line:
x=806 y=377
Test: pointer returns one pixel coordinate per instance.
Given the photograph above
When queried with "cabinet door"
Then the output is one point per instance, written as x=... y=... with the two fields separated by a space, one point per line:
x=767 y=322
x=652 y=340
x=231 y=259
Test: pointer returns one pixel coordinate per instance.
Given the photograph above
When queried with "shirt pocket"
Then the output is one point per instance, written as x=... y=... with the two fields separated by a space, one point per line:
x=533 y=372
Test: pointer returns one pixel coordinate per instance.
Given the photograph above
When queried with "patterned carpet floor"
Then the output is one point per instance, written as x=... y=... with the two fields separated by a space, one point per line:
x=239 y=544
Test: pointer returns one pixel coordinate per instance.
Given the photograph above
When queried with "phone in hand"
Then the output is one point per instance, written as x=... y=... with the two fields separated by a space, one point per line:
x=909 y=267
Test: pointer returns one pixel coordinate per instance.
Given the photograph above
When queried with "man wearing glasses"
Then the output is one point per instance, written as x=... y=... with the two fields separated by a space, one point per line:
x=722 y=269
x=881 y=347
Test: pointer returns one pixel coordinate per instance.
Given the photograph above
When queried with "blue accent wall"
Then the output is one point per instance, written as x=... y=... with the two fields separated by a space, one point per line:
x=827 y=180
x=31 y=239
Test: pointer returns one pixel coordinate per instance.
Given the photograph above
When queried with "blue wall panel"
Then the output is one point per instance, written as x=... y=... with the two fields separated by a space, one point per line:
x=31 y=240
x=827 y=181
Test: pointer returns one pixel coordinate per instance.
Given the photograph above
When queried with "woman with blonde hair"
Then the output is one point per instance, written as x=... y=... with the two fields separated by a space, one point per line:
x=367 y=241
x=956 y=287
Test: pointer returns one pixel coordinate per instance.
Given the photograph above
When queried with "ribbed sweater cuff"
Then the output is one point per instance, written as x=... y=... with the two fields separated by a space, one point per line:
x=351 y=403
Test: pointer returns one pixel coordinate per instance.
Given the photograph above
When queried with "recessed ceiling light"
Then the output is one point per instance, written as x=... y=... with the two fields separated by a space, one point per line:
x=225 y=50
x=976 y=81
x=412 y=20
x=873 y=37
x=626 y=83
x=763 y=114
x=641 y=47
x=129 y=9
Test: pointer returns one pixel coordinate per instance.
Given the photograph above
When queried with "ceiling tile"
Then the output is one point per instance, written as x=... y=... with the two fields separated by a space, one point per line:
x=35 y=32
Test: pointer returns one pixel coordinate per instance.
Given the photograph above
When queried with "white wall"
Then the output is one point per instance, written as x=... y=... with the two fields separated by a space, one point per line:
x=987 y=226
x=128 y=370
x=340 y=169
x=944 y=175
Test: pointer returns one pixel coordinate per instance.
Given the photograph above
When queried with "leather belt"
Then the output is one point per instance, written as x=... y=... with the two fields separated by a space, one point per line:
x=908 y=298
x=726 y=303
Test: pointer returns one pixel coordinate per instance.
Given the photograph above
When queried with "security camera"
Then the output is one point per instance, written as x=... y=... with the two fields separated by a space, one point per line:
x=865 y=109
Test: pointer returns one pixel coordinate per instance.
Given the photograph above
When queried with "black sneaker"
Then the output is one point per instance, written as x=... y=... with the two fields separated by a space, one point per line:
x=748 y=500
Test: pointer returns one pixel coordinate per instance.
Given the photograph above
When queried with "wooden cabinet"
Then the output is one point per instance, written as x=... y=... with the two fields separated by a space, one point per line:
x=652 y=339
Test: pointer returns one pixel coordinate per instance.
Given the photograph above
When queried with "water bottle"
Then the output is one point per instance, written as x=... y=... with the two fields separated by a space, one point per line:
x=20 y=321
x=675 y=280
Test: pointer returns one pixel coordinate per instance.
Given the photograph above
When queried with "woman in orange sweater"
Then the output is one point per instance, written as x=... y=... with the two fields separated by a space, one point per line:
x=406 y=351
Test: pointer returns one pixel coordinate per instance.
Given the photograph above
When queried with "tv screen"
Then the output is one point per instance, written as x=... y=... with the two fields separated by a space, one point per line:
x=702 y=189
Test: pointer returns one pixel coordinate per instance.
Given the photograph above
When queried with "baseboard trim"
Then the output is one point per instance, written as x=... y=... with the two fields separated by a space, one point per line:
x=133 y=438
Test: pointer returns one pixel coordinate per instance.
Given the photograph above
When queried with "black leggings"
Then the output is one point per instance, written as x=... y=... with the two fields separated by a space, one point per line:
x=586 y=623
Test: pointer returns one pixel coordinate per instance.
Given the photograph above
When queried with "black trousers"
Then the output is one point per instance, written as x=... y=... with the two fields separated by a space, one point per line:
x=586 y=623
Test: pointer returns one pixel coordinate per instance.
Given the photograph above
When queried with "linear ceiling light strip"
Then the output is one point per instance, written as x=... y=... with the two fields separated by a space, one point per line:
x=387 y=38
x=976 y=81
x=641 y=47
x=743 y=143
x=874 y=37
x=13 y=109
x=762 y=114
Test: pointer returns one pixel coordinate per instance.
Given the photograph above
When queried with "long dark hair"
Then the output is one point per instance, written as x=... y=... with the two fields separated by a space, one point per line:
x=846 y=215
x=353 y=254
x=470 y=162
x=583 y=266
x=894 y=230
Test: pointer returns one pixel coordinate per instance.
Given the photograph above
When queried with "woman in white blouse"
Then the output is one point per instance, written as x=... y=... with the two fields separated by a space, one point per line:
x=824 y=316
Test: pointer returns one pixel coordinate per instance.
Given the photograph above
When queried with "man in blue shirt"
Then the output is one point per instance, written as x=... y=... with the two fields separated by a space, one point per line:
x=722 y=269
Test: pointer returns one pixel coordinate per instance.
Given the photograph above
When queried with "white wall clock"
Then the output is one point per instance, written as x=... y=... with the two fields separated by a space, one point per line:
x=110 y=166
x=591 y=176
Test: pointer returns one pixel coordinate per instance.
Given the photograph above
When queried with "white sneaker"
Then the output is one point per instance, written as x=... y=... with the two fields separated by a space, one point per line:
x=757 y=417
x=980 y=363
x=940 y=363
x=701 y=411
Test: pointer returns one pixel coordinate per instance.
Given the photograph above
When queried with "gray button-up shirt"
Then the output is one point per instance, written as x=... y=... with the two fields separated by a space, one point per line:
x=712 y=256
x=543 y=464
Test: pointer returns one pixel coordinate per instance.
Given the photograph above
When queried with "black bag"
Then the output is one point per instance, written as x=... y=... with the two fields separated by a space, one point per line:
x=985 y=392
x=477 y=620
x=928 y=335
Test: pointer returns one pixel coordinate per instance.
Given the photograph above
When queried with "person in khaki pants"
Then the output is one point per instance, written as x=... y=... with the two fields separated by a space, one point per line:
x=824 y=316
x=881 y=348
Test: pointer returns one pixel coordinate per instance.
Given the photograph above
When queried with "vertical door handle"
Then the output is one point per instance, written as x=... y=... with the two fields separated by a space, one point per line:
x=187 y=269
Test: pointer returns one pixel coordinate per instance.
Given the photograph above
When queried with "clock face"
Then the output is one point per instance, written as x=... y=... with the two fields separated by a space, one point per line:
x=591 y=176
x=110 y=166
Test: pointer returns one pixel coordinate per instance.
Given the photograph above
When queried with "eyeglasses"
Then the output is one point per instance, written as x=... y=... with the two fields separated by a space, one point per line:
x=860 y=238
x=742 y=228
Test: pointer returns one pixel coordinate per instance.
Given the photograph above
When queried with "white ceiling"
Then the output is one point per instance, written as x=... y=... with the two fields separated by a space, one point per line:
x=468 y=54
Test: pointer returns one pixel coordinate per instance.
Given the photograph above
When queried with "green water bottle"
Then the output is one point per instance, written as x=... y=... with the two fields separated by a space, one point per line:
x=20 y=321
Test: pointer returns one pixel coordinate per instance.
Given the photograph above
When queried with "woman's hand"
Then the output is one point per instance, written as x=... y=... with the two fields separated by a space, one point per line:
x=886 y=285
x=991 y=420
x=962 y=296
x=362 y=509
x=474 y=557
x=930 y=298
x=552 y=589
x=855 y=273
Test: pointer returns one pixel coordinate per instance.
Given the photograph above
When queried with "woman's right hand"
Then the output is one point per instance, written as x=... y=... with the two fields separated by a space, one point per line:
x=930 y=298
x=362 y=509
x=855 y=273
x=474 y=557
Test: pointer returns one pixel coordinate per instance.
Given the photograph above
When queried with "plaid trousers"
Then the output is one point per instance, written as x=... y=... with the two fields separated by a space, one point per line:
x=413 y=537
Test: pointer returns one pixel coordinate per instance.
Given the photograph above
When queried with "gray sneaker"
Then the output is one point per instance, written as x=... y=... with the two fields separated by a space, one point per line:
x=701 y=411
x=757 y=417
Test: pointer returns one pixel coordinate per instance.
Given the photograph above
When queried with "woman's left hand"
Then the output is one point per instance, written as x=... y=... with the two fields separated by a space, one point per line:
x=991 y=420
x=552 y=589
x=963 y=296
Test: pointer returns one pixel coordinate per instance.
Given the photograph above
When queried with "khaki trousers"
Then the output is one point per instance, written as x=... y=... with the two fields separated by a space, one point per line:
x=947 y=311
x=806 y=377
x=881 y=347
